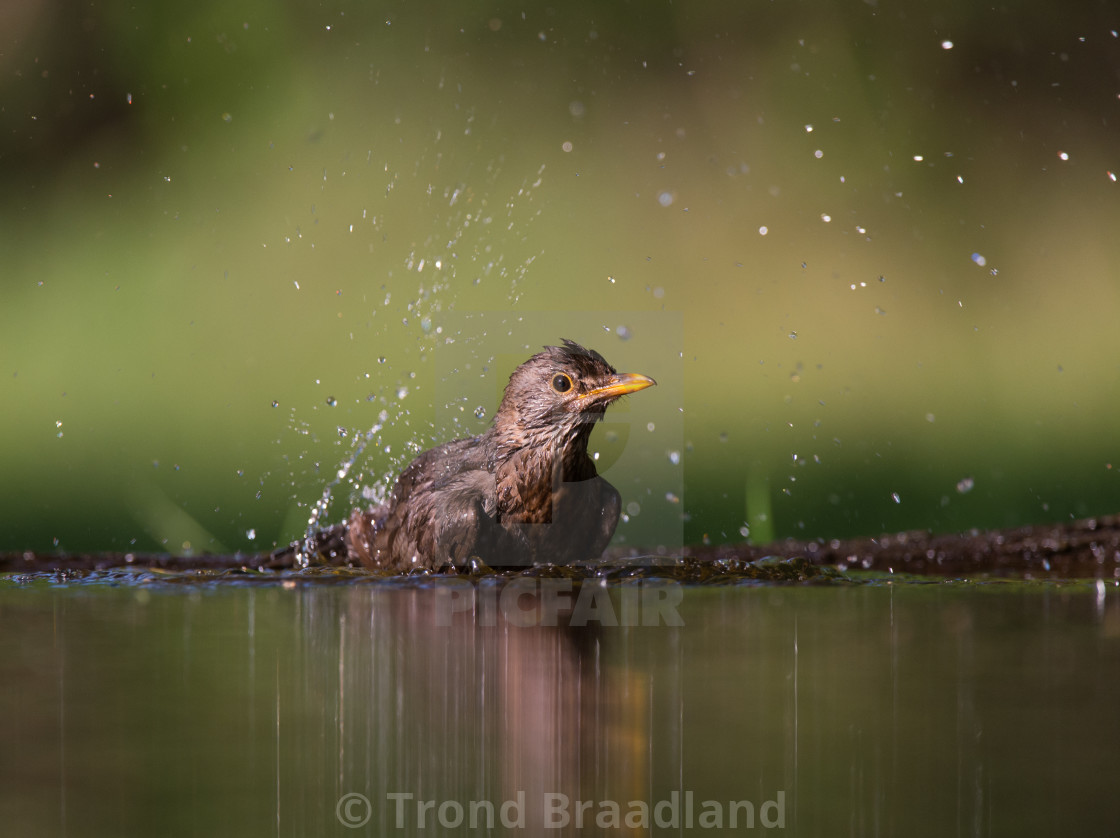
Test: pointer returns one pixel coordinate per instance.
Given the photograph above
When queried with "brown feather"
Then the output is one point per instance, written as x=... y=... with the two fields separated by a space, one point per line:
x=523 y=492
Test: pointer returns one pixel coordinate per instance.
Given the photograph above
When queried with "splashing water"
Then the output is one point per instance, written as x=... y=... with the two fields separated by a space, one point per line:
x=434 y=262
x=322 y=505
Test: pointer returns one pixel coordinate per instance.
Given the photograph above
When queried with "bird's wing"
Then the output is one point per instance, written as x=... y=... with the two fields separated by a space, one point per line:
x=440 y=508
x=443 y=527
x=462 y=524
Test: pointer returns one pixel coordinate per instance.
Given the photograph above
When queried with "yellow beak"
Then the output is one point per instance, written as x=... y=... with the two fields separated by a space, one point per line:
x=620 y=385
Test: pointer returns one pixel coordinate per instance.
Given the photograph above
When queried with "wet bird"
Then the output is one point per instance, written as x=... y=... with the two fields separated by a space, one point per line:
x=523 y=492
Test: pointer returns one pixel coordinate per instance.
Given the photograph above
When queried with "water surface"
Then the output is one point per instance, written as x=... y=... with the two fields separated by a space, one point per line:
x=157 y=704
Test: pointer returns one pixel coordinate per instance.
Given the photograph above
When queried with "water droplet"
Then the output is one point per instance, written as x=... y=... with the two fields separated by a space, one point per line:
x=381 y=360
x=1063 y=156
x=946 y=44
x=979 y=259
x=745 y=531
x=275 y=403
x=251 y=534
x=402 y=392
x=762 y=231
x=965 y=486
x=675 y=457
x=650 y=426
x=818 y=154
x=332 y=401
x=666 y=199
x=623 y=332
x=480 y=412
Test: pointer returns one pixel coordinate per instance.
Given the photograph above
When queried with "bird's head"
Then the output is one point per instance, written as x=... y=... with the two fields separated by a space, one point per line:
x=558 y=394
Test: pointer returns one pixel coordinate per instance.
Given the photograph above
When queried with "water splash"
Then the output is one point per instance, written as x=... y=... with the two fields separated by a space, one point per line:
x=321 y=506
x=434 y=263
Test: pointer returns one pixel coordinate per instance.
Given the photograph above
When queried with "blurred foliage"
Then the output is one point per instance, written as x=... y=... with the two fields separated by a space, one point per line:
x=213 y=207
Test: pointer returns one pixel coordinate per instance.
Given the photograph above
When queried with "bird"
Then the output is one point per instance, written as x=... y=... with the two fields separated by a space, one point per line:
x=524 y=492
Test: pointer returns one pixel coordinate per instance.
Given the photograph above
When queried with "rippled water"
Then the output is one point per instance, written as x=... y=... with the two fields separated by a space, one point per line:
x=179 y=704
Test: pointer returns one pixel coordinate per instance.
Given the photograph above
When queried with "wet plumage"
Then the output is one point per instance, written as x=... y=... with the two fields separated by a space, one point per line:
x=525 y=491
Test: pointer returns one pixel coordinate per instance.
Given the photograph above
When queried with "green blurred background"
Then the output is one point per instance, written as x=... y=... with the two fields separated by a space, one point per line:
x=869 y=251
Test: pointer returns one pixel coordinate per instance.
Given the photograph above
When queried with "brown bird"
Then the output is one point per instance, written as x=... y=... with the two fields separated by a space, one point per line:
x=523 y=492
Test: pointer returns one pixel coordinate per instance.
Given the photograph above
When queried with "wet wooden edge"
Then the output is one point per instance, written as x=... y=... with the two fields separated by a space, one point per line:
x=1089 y=548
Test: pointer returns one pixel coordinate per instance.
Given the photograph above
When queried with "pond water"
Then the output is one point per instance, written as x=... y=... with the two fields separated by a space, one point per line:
x=144 y=704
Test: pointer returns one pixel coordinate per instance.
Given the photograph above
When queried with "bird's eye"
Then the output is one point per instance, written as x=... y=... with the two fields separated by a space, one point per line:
x=561 y=383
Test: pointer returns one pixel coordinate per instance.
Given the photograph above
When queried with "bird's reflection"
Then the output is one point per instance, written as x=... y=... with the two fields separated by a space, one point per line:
x=453 y=711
